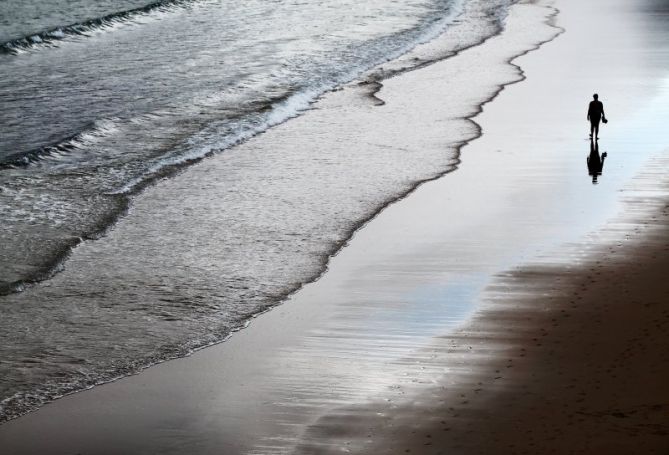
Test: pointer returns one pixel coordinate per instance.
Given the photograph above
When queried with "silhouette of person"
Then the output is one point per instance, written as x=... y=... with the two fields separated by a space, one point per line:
x=595 y=162
x=595 y=114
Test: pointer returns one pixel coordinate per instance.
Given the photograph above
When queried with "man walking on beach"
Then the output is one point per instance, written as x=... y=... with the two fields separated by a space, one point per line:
x=595 y=114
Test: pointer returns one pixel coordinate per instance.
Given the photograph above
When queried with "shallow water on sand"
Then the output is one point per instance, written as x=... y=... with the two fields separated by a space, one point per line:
x=195 y=260
x=97 y=108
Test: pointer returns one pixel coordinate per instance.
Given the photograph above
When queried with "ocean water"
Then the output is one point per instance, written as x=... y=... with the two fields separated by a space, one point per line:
x=95 y=107
x=100 y=100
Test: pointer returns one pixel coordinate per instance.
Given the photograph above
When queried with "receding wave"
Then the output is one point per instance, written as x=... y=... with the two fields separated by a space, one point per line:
x=48 y=38
x=89 y=188
x=250 y=118
x=275 y=111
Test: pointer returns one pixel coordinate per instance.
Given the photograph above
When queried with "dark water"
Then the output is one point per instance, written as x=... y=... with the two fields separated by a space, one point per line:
x=99 y=98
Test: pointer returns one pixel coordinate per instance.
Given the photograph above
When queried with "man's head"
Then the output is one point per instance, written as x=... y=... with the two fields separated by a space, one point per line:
x=595 y=96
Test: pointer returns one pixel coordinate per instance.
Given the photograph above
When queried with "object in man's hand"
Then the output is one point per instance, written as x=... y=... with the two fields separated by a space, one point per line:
x=605 y=120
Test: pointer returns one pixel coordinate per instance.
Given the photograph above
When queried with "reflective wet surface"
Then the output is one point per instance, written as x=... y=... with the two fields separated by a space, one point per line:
x=363 y=332
x=219 y=245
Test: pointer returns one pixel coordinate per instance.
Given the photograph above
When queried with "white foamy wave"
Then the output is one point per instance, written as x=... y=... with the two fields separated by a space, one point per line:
x=209 y=142
x=110 y=22
x=236 y=133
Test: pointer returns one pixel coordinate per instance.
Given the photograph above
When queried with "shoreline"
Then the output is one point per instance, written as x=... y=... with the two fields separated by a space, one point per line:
x=560 y=357
x=427 y=50
x=303 y=317
x=366 y=214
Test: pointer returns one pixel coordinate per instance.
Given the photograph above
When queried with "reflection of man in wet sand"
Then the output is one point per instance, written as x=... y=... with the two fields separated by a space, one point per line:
x=595 y=162
x=595 y=114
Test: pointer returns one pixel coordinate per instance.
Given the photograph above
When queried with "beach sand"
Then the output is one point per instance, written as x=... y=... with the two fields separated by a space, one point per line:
x=583 y=368
x=509 y=307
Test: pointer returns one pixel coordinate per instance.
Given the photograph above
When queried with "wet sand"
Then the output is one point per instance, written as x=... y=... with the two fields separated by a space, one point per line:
x=360 y=361
x=567 y=351
x=561 y=358
x=586 y=367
